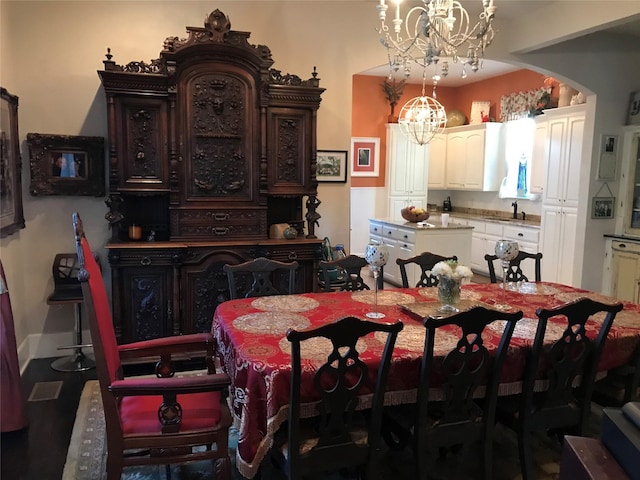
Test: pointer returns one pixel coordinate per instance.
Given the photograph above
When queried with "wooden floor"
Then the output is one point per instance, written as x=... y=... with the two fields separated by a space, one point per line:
x=39 y=451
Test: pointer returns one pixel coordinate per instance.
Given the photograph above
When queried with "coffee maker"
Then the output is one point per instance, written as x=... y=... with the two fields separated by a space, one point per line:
x=446 y=205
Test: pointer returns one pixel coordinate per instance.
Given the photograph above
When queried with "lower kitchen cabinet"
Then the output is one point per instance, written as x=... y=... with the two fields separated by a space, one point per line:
x=405 y=240
x=169 y=288
x=486 y=234
x=625 y=271
x=559 y=235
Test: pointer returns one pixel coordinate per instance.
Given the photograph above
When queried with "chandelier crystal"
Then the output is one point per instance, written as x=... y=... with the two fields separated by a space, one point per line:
x=435 y=29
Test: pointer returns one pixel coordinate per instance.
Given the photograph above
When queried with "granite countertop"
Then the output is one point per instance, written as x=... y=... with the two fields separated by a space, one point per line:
x=499 y=217
x=432 y=223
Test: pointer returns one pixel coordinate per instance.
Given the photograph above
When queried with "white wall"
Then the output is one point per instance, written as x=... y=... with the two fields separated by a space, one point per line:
x=50 y=52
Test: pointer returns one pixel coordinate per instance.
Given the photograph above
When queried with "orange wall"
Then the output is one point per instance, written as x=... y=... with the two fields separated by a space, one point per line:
x=370 y=108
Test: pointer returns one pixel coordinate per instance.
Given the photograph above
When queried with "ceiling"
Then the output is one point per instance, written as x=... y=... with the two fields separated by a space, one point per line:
x=491 y=68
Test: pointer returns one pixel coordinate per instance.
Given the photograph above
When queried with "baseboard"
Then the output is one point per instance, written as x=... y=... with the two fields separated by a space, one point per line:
x=45 y=345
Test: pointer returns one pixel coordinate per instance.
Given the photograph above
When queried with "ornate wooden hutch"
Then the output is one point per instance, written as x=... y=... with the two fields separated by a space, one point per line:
x=209 y=146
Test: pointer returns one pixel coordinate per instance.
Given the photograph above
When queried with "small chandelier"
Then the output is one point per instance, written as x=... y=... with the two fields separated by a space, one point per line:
x=437 y=28
x=421 y=118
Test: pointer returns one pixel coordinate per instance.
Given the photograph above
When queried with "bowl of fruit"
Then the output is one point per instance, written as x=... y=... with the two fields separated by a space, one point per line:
x=414 y=214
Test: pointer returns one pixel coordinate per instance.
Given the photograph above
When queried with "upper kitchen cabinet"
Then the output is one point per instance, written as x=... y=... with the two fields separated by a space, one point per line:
x=438 y=162
x=475 y=157
x=539 y=155
x=565 y=129
x=407 y=169
x=630 y=180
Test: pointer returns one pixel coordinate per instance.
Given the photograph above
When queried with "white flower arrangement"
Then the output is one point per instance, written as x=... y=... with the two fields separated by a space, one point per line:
x=451 y=269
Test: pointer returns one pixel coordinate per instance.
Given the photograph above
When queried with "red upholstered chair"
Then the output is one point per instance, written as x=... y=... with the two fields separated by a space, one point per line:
x=153 y=421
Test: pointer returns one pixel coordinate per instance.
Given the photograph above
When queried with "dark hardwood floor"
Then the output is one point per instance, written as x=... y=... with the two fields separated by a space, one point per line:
x=39 y=451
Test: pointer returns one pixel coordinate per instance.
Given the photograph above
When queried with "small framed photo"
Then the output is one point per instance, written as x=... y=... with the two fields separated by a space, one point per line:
x=602 y=207
x=608 y=157
x=66 y=165
x=332 y=166
x=365 y=152
x=633 y=117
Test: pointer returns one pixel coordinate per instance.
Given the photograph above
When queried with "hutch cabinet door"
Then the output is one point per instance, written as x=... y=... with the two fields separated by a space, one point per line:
x=289 y=142
x=142 y=143
x=146 y=299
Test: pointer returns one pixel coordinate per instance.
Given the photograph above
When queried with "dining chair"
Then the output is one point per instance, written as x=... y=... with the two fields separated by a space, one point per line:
x=558 y=378
x=426 y=261
x=515 y=273
x=261 y=277
x=621 y=385
x=457 y=390
x=154 y=421
x=350 y=277
x=345 y=431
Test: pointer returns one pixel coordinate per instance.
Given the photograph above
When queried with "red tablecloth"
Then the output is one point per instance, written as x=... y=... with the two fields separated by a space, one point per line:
x=255 y=352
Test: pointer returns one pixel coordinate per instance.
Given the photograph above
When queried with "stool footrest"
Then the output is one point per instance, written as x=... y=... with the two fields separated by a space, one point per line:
x=68 y=347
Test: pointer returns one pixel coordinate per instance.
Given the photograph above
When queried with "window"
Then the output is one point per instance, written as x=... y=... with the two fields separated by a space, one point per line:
x=518 y=154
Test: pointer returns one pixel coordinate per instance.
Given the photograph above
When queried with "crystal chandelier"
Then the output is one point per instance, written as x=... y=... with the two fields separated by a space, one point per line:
x=422 y=117
x=434 y=29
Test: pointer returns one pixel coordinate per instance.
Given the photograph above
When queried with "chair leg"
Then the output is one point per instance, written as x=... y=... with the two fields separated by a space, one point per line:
x=222 y=468
x=167 y=471
x=525 y=447
x=114 y=468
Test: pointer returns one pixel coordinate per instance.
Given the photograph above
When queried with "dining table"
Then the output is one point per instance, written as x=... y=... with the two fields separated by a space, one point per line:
x=254 y=351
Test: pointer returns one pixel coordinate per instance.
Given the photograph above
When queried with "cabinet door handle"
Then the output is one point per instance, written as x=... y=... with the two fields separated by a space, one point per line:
x=221 y=231
x=405 y=236
x=220 y=217
x=293 y=256
x=145 y=261
x=622 y=245
x=375 y=229
x=521 y=234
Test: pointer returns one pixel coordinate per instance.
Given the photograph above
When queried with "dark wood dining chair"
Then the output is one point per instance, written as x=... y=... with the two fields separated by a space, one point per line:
x=621 y=385
x=515 y=273
x=342 y=435
x=154 y=421
x=261 y=277
x=451 y=412
x=559 y=378
x=426 y=261
x=349 y=276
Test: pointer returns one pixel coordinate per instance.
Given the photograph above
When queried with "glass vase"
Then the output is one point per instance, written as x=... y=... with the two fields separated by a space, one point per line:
x=449 y=294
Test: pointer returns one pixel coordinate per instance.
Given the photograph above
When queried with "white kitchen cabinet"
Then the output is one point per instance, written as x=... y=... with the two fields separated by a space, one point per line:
x=475 y=157
x=539 y=155
x=407 y=170
x=487 y=233
x=438 y=162
x=405 y=240
x=626 y=271
x=630 y=180
x=562 y=260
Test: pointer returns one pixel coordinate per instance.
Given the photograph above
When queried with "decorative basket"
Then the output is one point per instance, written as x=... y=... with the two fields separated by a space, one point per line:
x=409 y=216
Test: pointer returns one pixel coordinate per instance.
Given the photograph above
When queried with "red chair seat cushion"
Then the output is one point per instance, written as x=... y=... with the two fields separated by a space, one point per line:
x=139 y=415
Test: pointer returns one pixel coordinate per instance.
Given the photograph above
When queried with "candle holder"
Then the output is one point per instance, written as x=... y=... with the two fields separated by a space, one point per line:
x=506 y=250
x=376 y=256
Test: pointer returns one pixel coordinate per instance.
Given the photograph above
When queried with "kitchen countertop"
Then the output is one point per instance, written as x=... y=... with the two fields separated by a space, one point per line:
x=497 y=219
x=432 y=223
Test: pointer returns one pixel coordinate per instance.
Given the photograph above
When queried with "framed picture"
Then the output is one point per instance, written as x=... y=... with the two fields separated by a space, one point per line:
x=602 y=207
x=365 y=152
x=633 y=118
x=332 y=166
x=66 y=165
x=11 y=212
x=608 y=157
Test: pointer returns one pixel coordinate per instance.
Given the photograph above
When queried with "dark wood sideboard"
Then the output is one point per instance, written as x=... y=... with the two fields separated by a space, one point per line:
x=208 y=146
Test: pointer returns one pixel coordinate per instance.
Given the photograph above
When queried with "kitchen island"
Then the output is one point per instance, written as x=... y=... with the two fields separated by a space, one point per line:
x=407 y=239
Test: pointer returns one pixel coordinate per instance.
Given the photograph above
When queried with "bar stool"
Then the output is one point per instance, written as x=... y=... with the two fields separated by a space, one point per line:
x=67 y=290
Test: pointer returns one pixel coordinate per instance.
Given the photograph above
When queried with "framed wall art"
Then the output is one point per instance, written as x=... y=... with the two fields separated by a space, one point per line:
x=365 y=154
x=608 y=157
x=66 y=165
x=633 y=117
x=332 y=166
x=602 y=207
x=11 y=212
